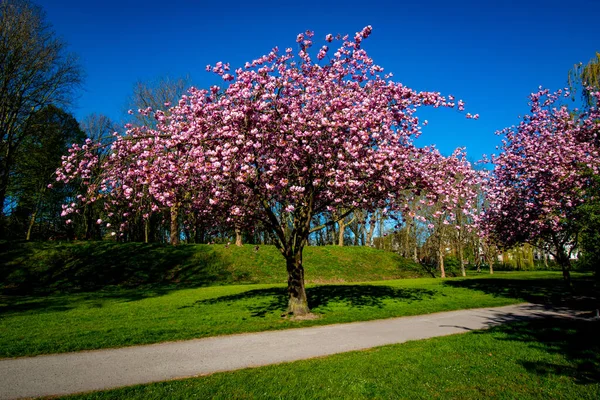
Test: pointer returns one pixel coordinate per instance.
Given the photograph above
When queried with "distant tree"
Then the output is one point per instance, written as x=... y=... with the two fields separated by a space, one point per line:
x=541 y=177
x=147 y=98
x=586 y=79
x=35 y=71
x=157 y=94
x=50 y=132
x=100 y=130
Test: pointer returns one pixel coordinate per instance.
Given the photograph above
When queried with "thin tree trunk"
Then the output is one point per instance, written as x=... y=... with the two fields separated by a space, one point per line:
x=238 y=237
x=174 y=232
x=147 y=230
x=441 y=260
x=31 y=223
x=370 y=234
x=89 y=222
x=405 y=250
x=38 y=204
x=491 y=262
x=342 y=228
x=461 y=257
x=565 y=264
x=4 y=177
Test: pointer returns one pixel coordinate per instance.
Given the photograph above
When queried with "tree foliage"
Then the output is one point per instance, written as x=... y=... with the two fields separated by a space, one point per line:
x=543 y=175
x=586 y=78
x=35 y=71
x=290 y=137
x=50 y=132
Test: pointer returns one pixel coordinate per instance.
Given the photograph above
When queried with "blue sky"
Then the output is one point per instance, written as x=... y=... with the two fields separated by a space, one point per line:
x=491 y=54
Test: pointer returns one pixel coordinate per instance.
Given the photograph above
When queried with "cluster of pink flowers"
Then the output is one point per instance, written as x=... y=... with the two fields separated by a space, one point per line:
x=543 y=172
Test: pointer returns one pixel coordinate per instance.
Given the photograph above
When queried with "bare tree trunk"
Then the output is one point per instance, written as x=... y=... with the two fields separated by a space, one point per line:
x=370 y=234
x=441 y=259
x=238 y=237
x=31 y=223
x=38 y=204
x=461 y=258
x=342 y=228
x=441 y=263
x=147 y=230
x=174 y=233
x=491 y=262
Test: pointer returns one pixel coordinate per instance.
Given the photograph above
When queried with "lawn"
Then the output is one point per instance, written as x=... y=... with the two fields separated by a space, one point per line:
x=114 y=316
x=543 y=359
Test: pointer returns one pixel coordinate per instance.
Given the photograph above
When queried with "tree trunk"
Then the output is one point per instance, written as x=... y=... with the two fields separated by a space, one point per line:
x=342 y=227
x=238 y=237
x=491 y=262
x=297 y=304
x=441 y=260
x=461 y=257
x=31 y=223
x=174 y=233
x=38 y=205
x=565 y=263
x=147 y=230
x=370 y=233
x=4 y=177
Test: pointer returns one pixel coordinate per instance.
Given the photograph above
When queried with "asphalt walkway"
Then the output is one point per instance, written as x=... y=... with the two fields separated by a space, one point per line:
x=68 y=373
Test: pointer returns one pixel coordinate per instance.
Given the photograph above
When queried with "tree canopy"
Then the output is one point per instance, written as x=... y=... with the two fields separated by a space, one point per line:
x=289 y=137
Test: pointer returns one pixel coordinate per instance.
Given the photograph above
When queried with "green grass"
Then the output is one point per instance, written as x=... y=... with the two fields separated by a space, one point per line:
x=115 y=317
x=50 y=267
x=545 y=359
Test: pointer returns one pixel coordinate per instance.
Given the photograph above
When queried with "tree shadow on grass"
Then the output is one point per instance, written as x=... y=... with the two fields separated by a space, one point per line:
x=264 y=301
x=583 y=295
x=90 y=266
x=53 y=277
x=575 y=339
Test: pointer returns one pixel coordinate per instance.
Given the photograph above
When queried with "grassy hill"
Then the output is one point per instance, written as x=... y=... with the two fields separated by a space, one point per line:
x=83 y=266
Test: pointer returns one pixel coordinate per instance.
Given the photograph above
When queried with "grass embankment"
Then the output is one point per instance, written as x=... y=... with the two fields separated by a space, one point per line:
x=545 y=359
x=116 y=317
x=49 y=267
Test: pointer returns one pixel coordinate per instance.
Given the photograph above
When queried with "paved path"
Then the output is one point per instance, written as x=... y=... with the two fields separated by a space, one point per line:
x=102 y=369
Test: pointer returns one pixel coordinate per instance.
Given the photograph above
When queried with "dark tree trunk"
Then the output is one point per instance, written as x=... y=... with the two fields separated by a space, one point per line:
x=4 y=177
x=90 y=224
x=562 y=258
x=297 y=304
x=174 y=232
x=565 y=263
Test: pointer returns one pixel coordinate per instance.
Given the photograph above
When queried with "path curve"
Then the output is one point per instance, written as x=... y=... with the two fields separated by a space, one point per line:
x=68 y=373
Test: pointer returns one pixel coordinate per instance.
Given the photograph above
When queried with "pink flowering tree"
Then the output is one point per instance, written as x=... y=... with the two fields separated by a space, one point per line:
x=289 y=137
x=542 y=175
x=448 y=219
